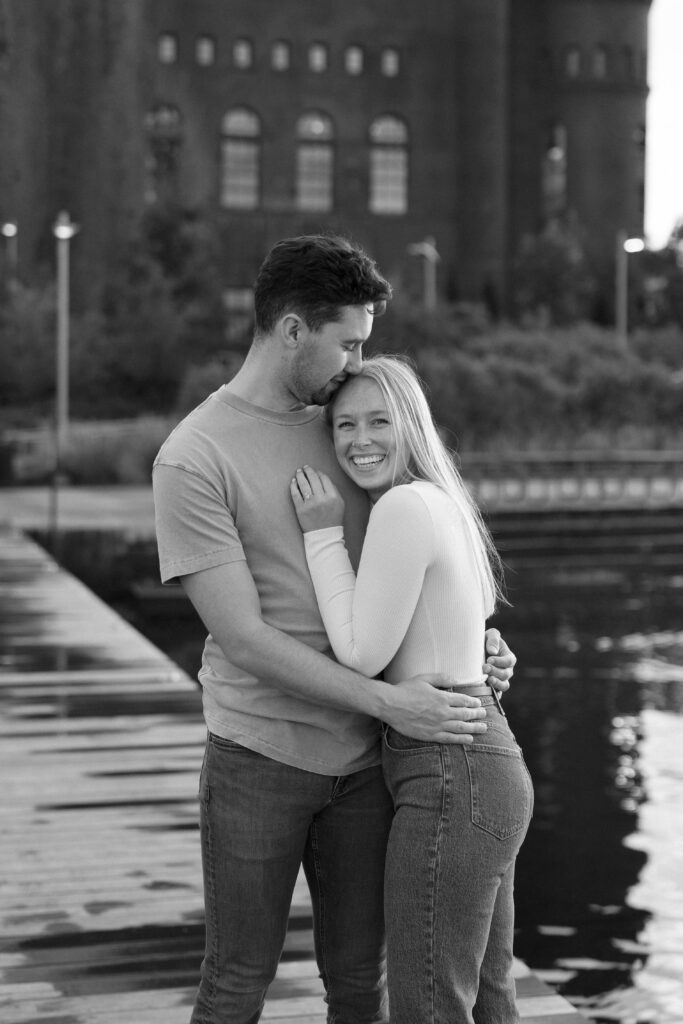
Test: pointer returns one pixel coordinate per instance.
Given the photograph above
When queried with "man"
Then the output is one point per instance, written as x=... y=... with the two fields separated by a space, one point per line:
x=291 y=772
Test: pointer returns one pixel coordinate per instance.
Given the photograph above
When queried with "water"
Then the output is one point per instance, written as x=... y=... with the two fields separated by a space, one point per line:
x=597 y=705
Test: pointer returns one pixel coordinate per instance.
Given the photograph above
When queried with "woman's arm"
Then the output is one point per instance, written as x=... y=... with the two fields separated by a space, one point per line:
x=367 y=617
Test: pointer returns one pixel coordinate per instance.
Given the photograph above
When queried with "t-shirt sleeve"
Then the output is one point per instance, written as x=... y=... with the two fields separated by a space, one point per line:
x=367 y=617
x=194 y=525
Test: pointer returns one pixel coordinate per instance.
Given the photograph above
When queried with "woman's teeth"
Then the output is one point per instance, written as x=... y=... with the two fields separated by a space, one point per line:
x=367 y=460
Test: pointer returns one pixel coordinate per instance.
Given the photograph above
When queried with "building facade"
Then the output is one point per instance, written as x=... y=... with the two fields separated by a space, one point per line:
x=469 y=122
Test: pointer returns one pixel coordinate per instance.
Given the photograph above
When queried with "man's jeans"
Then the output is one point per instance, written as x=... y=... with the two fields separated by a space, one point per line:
x=461 y=815
x=259 y=821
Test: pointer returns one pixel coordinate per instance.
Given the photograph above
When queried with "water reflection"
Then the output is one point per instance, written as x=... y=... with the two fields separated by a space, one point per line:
x=600 y=655
x=597 y=705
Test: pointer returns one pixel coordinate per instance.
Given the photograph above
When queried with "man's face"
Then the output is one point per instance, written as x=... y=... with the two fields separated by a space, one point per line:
x=325 y=358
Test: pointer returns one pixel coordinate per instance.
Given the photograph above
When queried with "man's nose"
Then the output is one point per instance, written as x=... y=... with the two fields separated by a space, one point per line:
x=355 y=361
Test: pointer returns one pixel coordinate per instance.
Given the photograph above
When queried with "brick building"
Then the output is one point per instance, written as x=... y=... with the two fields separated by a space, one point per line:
x=474 y=122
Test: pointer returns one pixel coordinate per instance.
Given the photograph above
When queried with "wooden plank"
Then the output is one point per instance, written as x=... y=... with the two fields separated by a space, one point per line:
x=101 y=920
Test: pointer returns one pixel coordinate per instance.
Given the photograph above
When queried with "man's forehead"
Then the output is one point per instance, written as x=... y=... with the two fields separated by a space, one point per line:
x=355 y=323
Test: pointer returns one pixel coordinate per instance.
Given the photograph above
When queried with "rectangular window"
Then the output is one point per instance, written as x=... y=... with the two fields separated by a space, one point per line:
x=240 y=174
x=388 y=180
x=314 y=177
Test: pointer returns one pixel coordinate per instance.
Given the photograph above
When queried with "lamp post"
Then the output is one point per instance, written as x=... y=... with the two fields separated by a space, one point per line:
x=64 y=230
x=428 y=251
x=10 y=233
x=624 y=246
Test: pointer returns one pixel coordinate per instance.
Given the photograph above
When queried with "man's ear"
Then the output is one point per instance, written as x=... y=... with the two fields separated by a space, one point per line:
x=291 y=330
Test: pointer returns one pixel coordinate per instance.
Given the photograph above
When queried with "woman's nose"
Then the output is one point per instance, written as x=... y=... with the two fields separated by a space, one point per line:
x=361 y=440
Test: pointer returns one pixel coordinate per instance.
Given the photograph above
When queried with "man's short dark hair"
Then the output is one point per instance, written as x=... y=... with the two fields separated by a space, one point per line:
x=314 y=276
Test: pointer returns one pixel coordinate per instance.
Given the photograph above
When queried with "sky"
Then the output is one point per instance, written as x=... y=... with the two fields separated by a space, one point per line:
x=664 y=168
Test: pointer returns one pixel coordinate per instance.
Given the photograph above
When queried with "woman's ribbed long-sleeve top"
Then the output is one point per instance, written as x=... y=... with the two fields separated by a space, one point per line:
x=416 y=604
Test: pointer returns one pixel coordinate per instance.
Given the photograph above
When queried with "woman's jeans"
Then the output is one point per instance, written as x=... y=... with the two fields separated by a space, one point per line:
x=461 y=815
x=259 y=821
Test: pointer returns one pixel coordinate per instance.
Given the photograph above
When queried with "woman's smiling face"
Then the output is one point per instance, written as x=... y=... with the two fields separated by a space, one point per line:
x=364 y=437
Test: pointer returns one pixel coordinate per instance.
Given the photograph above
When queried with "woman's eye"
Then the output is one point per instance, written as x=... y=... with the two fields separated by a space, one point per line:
x=381 y=421
x=343 y=424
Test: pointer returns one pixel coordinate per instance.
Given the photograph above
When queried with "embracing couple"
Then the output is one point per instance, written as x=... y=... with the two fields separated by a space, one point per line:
x=344 y=575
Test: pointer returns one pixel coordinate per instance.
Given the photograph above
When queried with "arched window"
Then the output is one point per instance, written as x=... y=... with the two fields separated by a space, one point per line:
x=163 y=125
x=317 y=57
x=240 y=160
x=314 y=162
x=390 y=62
x=572 y=61
x=243 y=54
x=388 y=166
x=354 y=60
x=554 y=173
x=280 y=55
x=599 y=60
x=205 y=51
x=167 y=48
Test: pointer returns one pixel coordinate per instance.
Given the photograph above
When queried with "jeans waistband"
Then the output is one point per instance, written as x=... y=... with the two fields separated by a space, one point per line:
x=486 y=694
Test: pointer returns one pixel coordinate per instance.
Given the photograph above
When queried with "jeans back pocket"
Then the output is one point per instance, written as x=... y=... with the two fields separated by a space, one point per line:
x=500 y=787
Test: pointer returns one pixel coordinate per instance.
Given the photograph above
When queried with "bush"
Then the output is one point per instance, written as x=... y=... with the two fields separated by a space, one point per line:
x=199 y=381
x=114 y=453
x=568 y=388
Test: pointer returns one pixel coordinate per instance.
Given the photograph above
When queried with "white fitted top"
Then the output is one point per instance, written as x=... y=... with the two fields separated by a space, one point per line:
x=416 y=605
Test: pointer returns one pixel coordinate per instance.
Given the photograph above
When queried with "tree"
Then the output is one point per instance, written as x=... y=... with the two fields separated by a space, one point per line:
x=551 y=280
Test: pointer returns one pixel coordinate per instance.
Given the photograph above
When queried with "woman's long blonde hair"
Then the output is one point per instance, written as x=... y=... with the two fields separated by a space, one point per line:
x=428 y=458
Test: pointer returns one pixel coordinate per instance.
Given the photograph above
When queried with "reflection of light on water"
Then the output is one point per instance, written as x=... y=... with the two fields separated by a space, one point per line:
x=626 y=735
x=659 y=889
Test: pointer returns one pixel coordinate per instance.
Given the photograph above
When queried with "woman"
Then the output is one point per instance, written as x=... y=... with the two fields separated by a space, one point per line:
x=427 y=580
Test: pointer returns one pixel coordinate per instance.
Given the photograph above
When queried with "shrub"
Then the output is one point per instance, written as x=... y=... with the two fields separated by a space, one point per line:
x=114 y=453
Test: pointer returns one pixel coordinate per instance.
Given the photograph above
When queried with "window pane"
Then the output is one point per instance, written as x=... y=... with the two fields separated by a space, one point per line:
x=554 y=173
x=280 y=56
x=243 y=53
x=317 y=57
x=315 y=127
x=314 y=177
x=241 y=122
x=240 y=174
x=353 y=60
x=572 y=62
x=600 y=62
x=167 y=48
x=388 y=180
x=163 y=119
x=388 y=129
x=205 y=51
x=390 y=62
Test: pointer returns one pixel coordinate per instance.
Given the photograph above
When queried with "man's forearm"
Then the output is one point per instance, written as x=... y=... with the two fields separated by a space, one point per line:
x=293 y=666
x=417 y=707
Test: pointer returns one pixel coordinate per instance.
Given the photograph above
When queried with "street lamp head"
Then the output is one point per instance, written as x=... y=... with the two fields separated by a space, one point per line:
x=634 y=244
x=9 y=229
x=63 y=227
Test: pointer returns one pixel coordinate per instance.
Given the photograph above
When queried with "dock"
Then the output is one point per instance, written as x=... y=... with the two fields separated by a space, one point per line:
x=101 y=742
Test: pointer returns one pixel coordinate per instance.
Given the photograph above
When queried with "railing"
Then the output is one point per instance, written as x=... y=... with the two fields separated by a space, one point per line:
x=638 y=479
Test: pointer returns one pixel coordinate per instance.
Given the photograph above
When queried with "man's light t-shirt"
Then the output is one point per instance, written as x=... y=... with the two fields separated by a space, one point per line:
x=221 y=490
